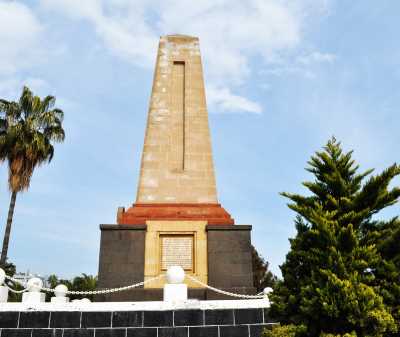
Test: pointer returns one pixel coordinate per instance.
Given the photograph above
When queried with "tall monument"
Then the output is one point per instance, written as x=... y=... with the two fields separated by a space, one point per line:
x=176 y=219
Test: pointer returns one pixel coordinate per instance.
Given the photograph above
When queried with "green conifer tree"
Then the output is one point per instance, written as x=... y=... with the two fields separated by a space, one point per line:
x=386 y=236
x=329 y=283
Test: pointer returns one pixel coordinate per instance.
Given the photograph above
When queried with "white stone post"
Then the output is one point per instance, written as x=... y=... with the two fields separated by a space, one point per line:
x=3 y=289
x=60 y=294
x=175 y=290
x=33 y=295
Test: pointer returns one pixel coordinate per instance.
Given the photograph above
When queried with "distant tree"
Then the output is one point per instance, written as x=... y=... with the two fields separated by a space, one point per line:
x=10 y=270
x=28 y=128
x=262 y=276
x=79 y=283
x=329 y=281
x=84 y=282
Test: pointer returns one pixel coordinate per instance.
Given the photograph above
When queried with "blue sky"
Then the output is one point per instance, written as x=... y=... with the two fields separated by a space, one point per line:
x=281 y=79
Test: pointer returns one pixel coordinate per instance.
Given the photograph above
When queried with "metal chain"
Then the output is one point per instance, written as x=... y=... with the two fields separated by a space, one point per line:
x=113 y=290
x=93 y=292
x=18 y=282
x=223 y=292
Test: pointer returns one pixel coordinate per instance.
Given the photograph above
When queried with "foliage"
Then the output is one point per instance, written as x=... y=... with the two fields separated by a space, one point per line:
x=284 y=331
x=79 y=283
x=10 y=270
x=262 y=276
x=386 y=237
x=352 y=334
x=329 y=283
x=27 y=129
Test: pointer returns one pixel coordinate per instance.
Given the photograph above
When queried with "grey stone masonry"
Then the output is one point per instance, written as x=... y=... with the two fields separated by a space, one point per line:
x=229 y=259
x=121 y=260
x=173 y=323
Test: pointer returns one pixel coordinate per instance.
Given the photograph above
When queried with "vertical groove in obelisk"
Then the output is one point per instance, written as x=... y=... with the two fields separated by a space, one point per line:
x=177 y=165
x=178 y=117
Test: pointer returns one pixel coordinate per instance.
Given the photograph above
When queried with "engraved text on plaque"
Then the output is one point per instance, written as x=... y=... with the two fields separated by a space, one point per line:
x=177 y=250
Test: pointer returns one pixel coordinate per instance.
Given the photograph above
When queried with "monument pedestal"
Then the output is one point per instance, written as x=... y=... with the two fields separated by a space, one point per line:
x=122 y=263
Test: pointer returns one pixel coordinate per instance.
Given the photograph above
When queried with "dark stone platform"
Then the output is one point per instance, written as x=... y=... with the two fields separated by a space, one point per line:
x=177 y=323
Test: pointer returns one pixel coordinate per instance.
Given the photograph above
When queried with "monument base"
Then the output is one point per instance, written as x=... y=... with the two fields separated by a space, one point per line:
x=122 y=261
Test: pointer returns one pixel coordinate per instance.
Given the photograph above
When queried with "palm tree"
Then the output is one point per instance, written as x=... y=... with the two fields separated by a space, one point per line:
x=27 y=129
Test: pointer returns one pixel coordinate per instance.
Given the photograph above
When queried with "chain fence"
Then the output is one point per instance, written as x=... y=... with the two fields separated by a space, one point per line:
x=132 y=286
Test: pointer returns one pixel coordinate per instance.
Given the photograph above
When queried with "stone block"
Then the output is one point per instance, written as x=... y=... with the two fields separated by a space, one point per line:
x=175 y=292
x=78 y=333
x=127 y=318
x=43 y=333
x=65 y=319
x=142 y=332
x=34 y=319
x=173 y=332
x=248 y=316
x=33 y=297
x=219 y=317
x=229 y=257
x=210 y=331
x=110 y=332
x=98 y=319
x=16 y=333
x=9 y=319
x=157 y=318
x=234 y=331
x=188 y=317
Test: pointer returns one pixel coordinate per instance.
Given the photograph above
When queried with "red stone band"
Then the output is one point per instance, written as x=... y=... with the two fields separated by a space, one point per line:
x=138 y=214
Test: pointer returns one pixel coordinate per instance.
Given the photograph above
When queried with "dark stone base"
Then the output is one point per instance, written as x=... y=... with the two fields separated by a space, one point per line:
x=229 y=257
x=178 y=323
x=122 y=254
x=121 y=261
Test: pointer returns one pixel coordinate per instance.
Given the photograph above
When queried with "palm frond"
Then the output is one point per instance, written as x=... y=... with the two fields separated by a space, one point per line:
x=28 y=128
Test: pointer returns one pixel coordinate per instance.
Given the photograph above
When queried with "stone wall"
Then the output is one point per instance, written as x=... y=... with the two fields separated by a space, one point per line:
x=170 y=323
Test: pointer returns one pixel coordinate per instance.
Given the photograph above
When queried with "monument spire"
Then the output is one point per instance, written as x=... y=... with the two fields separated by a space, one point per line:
x=177 y=164
x=177 y=168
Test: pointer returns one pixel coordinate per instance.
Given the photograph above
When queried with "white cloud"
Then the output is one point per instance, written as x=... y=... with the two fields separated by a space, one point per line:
x=231 y=32
x=20 y=33
x=222 y=99
x=316 y=57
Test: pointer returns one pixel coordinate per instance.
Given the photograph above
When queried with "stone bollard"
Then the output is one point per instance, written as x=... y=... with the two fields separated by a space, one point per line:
x=266 y=293
x=175 y=289
x=60 y=294
x=33 y=295
x=3 y=289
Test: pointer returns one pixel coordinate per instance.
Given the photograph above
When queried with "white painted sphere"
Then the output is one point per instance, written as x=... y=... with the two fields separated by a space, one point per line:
x=60 y=290
x=85 y=300
x=175 y=275
x=2 y=276
x=34 y=284
x=267 y=291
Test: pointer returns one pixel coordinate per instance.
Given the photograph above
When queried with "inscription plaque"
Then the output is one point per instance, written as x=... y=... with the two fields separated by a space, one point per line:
x=177 y=250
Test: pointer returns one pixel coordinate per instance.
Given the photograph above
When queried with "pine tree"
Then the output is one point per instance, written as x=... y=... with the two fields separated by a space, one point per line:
x=386 y=237
x=262 y=276
x=329 y=283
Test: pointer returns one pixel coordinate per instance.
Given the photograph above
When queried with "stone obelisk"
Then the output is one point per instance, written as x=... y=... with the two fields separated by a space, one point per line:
x=176 y=219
